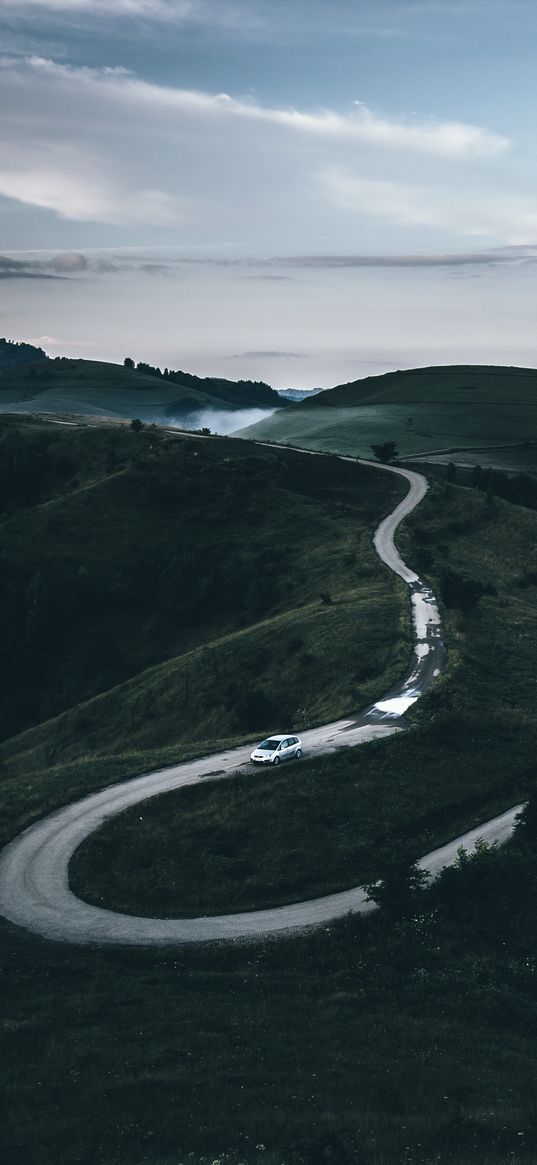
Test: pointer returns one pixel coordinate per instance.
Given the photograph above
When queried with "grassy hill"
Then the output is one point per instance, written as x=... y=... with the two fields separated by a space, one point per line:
x=157 y=592
x=467 y=414
x=95 y=388
x=453 y=384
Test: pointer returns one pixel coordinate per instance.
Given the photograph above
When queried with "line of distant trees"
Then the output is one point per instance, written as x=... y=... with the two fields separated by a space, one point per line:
x=245 y=392
x=519 y=488
x=13 y=352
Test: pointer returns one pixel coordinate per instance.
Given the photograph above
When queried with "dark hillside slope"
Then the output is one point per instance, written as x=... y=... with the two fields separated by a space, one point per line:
x=121 y=550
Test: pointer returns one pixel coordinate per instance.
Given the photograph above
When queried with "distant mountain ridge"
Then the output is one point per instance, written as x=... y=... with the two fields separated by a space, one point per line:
x=298 y=394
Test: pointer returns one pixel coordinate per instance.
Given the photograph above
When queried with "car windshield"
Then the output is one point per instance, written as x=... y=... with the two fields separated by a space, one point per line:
x=270 y=745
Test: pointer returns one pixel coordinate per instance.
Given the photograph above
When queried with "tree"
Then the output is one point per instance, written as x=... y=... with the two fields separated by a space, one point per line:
x=526 y=822
x=462 y=591
x=385 y=452
x=398 y=891
x=137 y=425
x=128 y=362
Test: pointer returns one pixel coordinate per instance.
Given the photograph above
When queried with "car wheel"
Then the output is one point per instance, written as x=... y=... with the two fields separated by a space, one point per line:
x=276 y=760
x=298 y=753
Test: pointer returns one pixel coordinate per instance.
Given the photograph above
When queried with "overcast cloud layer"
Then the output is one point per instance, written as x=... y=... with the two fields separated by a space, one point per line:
x=293 y=191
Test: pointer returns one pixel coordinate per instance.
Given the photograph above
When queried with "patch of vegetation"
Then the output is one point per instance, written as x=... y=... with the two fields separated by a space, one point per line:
x=372 y=1041
x=385 y=452
x=122 y=550
x=13 y=353
x=245 y=393
x=520 y=488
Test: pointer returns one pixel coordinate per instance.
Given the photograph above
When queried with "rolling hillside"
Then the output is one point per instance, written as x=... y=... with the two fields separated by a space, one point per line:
x=467 y=414
x=154 y=572
x=94 y=388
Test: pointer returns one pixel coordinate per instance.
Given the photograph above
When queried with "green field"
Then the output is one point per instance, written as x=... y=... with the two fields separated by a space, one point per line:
x=433 y=411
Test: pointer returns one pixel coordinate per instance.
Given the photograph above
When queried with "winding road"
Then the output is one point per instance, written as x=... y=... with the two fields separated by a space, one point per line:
x=34 y=868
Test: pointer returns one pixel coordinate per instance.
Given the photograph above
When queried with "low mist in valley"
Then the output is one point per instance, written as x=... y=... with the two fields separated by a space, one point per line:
x=221 y=421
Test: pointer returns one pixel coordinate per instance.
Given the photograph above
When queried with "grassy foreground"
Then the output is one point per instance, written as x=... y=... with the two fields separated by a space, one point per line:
x=374 y=1042
x=367 y=1043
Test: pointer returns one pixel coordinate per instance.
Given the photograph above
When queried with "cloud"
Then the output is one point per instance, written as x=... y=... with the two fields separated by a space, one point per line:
x=270 y=268
x=89 y=197
x=103 y=146
x=21 y=269
x=55 y=342
x=509 y=215
x=68 y=263
x=270 y=278
x=360 y=125
x=55 y=266
x=152 y=261
x=496 y=256
x=240 y=17
x=271 y=354
x=515 y=255
x=161 y=9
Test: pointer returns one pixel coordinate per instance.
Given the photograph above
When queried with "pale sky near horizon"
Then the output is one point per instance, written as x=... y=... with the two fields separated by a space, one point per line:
x=303 y=192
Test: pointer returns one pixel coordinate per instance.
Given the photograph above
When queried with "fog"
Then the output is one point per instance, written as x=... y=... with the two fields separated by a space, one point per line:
x=221 y=421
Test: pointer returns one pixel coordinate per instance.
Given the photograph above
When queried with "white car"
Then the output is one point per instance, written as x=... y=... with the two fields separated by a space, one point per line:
x=277 y=748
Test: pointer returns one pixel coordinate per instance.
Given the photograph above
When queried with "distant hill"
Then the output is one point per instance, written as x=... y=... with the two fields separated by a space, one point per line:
x=461 y=384
x=13 y=353
x=470 y=414
x=90 y=387
x=298 y=394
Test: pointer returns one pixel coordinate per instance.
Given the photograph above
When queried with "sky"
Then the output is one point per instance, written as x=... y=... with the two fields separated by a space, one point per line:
x=299 y=191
